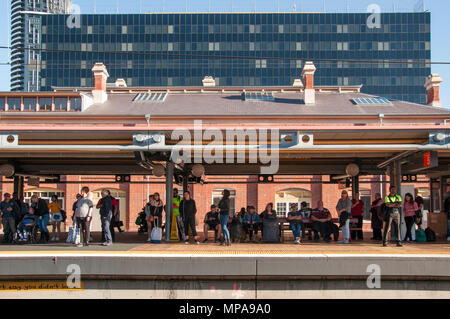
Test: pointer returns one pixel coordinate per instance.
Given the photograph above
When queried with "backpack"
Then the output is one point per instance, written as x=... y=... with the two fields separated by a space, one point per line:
x=430 y=234
x=384 y=212
x=420 y=236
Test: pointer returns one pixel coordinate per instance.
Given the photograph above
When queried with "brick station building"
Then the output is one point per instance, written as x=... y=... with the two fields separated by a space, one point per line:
x=92 y=132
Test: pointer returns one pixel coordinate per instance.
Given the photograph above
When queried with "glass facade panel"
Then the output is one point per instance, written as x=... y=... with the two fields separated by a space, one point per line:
x=60 y=104
x=75 y=104
x=45 y=103
x=245 y=49
x=29 y=104
x=2 y=103
x=14 y=103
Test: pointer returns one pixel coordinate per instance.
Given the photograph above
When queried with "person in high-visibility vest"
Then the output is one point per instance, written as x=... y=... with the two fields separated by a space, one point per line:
x=176 y=215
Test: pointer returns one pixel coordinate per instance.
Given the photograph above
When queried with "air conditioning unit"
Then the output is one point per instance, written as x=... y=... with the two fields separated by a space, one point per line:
x=9 y=140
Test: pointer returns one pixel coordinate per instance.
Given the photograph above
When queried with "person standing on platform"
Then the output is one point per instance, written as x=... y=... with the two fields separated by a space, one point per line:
x=83 y=216
x=9 y=210
x=410 y=208
x=188 y=210
x=56 y=217
x=105 y=204
x=178 y=225
x=447 y=211
x=419 y=200
x=41 y=210
x=357 y=212
x=224 y=209
x=376 y=220
x=393 y=203
x=344 y=206
x=153 y=211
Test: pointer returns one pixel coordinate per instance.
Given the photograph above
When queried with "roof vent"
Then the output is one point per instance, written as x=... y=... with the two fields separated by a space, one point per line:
x=209 y=81
x=150 y=97
x=297 y=83
x=371 y=101
x=120 y=83
x=259 y=96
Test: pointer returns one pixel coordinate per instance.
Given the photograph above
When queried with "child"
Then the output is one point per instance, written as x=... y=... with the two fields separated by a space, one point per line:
x=29 y=220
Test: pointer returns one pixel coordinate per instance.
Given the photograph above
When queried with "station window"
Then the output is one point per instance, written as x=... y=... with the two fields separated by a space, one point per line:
x=61 y=104
x=75 y=104
x=2 y=104
x=217 y=195
x=29 y=104
x=45 y=103
x=14 y=103
x=285 y=198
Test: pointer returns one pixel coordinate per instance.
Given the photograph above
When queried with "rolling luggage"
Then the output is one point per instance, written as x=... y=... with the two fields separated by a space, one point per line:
x=156 y=233
x=271 y=231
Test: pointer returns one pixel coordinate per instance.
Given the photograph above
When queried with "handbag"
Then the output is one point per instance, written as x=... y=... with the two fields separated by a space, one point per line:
x=156 y=233
x=343 y=218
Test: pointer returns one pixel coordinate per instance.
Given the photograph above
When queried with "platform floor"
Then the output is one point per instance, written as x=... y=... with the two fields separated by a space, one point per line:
x=136 y=244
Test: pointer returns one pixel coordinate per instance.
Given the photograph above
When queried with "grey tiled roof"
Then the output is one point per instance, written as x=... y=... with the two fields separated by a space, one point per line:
x=285 y=104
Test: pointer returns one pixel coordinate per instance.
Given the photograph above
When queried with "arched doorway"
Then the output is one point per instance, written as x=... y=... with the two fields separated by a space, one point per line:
x=120 y=195
x=284 y=198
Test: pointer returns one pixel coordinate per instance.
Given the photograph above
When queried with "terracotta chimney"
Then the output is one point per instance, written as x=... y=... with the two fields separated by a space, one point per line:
x=432 y=85
x=308 y=81
x=100 y=76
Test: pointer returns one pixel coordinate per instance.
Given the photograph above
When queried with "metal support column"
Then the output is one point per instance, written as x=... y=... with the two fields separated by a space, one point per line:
x=18 y=186
x=443 y=192
x=185 y=183
x=355 y=185
x=397 y=179
x=398 y=176
x=169 y=197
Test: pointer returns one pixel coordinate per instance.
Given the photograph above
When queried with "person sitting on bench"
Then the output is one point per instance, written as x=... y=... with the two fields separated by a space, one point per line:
x=295 y=221
x=251 y=224
x=321 y=219
x=306 y=214
x=212 y=222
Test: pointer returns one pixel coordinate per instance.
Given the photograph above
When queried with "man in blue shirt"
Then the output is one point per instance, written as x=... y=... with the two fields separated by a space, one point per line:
x=10 y=211
x=251 y=224
x=295 y=221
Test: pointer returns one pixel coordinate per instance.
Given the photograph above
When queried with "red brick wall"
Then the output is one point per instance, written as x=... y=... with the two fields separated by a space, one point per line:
x=254 y=194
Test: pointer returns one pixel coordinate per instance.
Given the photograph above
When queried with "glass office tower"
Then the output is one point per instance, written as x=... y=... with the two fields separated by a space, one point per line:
x=241 y=49
x=25 y=33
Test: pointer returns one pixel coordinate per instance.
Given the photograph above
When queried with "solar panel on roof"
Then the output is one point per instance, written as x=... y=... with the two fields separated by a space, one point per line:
x=150 y=97
x=259 y=96
x=371 y=101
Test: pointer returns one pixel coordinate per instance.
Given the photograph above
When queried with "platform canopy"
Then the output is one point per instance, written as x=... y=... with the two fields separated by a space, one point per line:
x=136 y=128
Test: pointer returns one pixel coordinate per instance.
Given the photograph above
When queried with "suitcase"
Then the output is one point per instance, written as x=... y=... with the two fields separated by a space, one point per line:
x=271 y=231
x=236 y=231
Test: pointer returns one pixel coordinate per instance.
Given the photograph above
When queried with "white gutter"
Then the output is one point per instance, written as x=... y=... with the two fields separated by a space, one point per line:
x=169 y=148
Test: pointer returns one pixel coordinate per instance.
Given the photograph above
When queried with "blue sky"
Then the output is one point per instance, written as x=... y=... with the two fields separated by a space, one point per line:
x=440 y=42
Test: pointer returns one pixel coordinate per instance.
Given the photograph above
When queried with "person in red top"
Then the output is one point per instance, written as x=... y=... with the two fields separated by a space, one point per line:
x=321 y=222
x=409 y=209
x=357 y=212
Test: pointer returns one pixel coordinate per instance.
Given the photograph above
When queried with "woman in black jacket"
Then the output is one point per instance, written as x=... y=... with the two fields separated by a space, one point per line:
x=153 y=212
x=187 y=212
x=224 y=208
